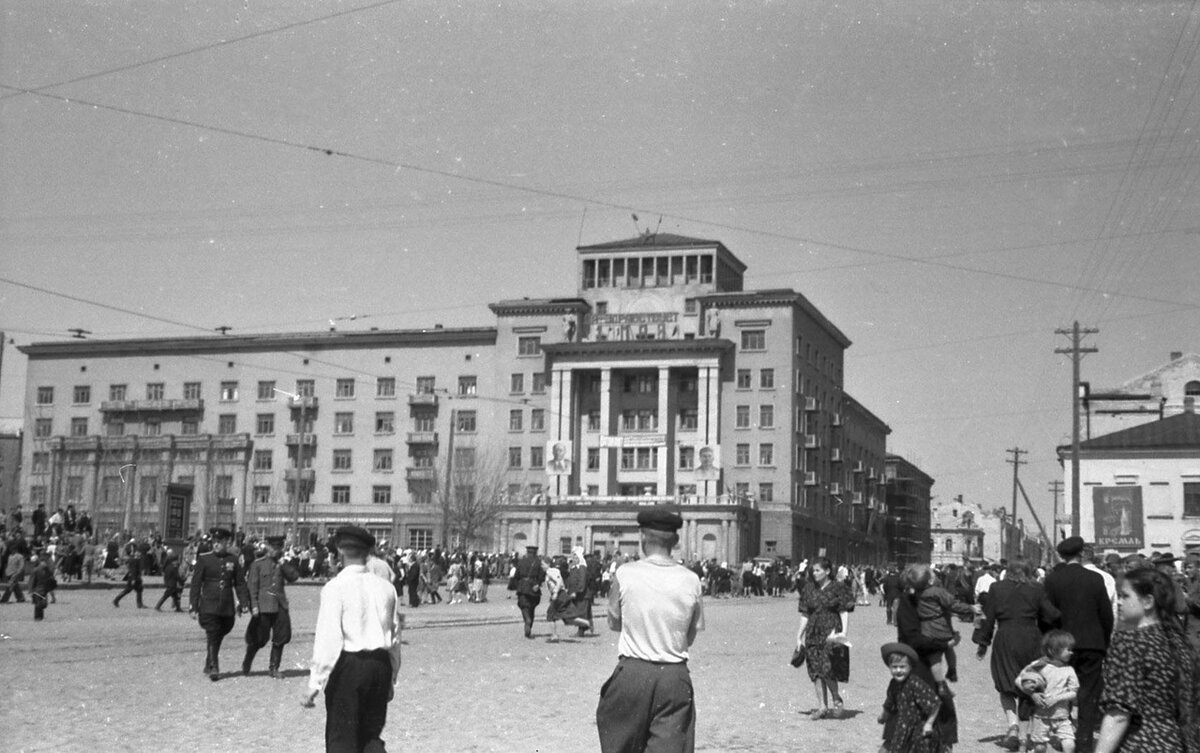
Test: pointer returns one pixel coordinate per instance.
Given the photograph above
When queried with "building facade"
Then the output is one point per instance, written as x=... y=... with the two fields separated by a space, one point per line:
x=1166 y=390
x=956 y=534
x=909 y=492
x=660 y=380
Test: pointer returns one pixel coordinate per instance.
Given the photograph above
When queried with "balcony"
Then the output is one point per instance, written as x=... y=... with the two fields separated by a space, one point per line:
x=836 y=420
x=423 y=398
x=305 y=475
x=422 y=437
x=859 y=467
x=307 y=402
x=306 y=439
x=857 y=498
x=835 y=455
x=810 y=404
x=810 y=478
x=811 y=442
x=835 y=488
x=420 y=474
x=151 y=406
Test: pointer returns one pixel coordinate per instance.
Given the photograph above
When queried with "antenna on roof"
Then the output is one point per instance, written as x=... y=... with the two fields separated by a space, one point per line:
x=223 y=329
x=79 y=334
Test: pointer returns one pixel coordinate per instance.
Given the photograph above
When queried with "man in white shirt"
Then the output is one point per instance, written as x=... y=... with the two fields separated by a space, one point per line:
x=647 y=703
x=356 y=649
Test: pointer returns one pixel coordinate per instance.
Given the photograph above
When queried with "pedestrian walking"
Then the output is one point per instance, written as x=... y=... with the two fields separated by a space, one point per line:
x=647 y=704
x=172 y=582
x=825 y=606
x=911 y=707
x=133 y=577
x=528 y=576
x=270 y=621
x=15 y=572
x=356 y=649
x=41 y=584
x=216 y=581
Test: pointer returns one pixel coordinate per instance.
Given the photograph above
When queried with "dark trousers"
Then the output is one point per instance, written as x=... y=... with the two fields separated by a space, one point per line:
x=647 y=706
x=131 y=585
x=356 y=699
x=173 y=594
x=414 y=596
x=14 y=587
x=215 y=627
x=1088 y=664
x=39 y=606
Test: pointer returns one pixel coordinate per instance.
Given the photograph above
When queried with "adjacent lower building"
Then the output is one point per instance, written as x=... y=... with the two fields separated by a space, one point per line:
x=909 y=494
x=956 y=534
x=660 y=380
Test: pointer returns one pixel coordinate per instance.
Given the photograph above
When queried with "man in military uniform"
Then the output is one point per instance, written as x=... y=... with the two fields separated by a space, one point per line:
x=214 y=582
x=269 y=618
x=133 y=575
x=529 y=575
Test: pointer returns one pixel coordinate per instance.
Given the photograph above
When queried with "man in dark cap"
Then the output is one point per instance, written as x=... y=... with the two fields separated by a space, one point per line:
x=529 y=577
x=356 y=649
x=647 y=703
x=1087 y=614
x=269 y=620
x=216 y=580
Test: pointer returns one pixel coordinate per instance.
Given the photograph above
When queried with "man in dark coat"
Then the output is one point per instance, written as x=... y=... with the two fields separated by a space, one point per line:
x=530 y=575
x=133 y=576
x=172 y=582
x=891 y=592
x=269 y=621
x=1087 y=614
x=216 y=580
x=41 y=583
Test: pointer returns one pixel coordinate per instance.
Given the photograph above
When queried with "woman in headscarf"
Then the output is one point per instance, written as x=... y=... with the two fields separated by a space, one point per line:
x=825 y=606
x=568 y=604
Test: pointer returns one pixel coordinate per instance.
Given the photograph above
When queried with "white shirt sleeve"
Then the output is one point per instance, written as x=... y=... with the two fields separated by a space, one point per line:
x=327 y=644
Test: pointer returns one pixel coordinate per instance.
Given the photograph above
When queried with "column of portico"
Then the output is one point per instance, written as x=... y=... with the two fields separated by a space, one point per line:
x=561 y=402
x=725 y=547
x=708 y=418
x=665 y=428
x=605 y=429
x=587 y=537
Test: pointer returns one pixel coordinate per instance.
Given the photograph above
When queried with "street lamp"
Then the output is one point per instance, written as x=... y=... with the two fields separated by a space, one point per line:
x=294 y=502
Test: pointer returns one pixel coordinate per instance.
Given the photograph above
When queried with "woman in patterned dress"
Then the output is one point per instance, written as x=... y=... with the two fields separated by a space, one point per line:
x=825 y=607
x=1149 y=673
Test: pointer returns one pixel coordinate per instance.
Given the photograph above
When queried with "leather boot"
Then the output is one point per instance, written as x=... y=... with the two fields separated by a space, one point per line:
x=276 y=658
x=249 y=660
x=214 y=668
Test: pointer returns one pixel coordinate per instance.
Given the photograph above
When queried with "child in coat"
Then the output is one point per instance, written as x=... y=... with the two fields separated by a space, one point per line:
x=1052 y=685
x=911 y=708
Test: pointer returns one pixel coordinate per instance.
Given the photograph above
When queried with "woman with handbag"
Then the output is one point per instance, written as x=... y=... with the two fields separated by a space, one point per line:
x=825 y=607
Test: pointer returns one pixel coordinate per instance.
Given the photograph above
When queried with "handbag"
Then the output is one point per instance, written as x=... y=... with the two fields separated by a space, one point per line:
x=839 y=662
x=797 y=658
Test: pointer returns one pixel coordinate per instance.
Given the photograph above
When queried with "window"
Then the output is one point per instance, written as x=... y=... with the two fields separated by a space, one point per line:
x=82 y=395
x=386 y=387
x=766 y=454
x=266 y=390
x=743 y=379
x=766 y=492
x=537 y=419
x=516 y=420
x=741 y=490
x=766 y=416
x=742 y=417
x=529 y=346
x=646 y=384
x=465 y=421
x=37 y=496
x=340 y=495
x=189 y=426
x=264 y=423
x=647 y=420
x=423 y=421
x=687 y=385
x=687 y=458
x=344 y=388
x=426 y=384
x=1191 y=500
x=264 y=460
x=262 y=495
x=115 y=428
x=152 y=427
x=155 y=391
x=593 y=458
x=689 y=419
x=516 y=383
x=45 y=395
x=342 y=460
x=593 y=420
x=306 y=387
x=766 y=379
x=41 y=462
x=191 y=390
x=229 y=391
x=539 y=383
x=742 y=455
x=467 y=385
x=420 y=538
x=227 y=423
x=1192 y=389
x=343 y=423
x=949 y=544
x=422 y=457
x=422 y=495
x=42 y=427
x=464 y=458
x=381 y=495
x=116 y=392
x=754 y=339
x=79 y=427
x=639 y=458
x=514 y=457
x=385 y=423
x=383 y=461
x=537 y=457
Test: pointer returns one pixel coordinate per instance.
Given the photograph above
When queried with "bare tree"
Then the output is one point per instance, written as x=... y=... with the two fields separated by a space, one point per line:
x=476 y=494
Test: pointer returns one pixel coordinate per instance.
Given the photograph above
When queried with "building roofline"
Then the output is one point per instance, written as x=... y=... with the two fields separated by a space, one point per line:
x=663 y=242
x=266 y=342
x=860 y=407
x=638 y=347
x=777 y=297
x=908 y=464
x=533 y=306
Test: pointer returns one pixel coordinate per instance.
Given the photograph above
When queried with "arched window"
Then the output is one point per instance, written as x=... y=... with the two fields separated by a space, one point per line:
x=1192 y=388
x=949 y=545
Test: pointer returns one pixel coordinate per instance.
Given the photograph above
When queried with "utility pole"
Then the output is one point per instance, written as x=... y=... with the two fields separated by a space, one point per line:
x=301 y=401
x=1056 y=488
x=446 y=499
x=1017 y=462
x=1077 y=352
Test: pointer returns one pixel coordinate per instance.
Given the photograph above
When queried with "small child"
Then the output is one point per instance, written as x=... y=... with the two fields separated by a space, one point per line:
x=1052 y=685
x=911 y=708
x=934 y=607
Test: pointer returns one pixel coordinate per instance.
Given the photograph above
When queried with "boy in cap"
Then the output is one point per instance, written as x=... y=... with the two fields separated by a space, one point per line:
x=269 y=619
x=217 y=578
x=647 y=703
x=356 y=649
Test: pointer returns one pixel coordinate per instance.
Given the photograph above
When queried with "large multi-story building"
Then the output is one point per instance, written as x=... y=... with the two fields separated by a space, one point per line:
x=909 y=492
x=662 y=379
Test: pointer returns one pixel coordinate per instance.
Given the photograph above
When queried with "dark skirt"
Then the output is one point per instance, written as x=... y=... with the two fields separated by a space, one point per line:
x=1016 y=644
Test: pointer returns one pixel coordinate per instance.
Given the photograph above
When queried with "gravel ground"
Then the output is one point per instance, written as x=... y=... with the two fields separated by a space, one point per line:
x=94 y=678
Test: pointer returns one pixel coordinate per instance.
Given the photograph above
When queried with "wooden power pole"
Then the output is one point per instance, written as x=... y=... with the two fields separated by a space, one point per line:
x=1077 y=352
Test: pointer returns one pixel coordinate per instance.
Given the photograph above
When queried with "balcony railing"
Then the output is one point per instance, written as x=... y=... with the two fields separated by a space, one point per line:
x=835 y=455
x=151 y=406
x=420 y=474
x=306 y=439
x=422 y=437
x=644 y=500
x=307 y=402
x=810 y=404
x=423 y=398
x=303 y=474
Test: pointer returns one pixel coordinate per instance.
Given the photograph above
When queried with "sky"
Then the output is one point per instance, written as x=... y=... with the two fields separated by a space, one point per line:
x=949 y=182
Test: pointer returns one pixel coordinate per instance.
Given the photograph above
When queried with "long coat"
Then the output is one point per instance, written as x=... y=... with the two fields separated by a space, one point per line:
x=265 y=580
x=214 y=581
